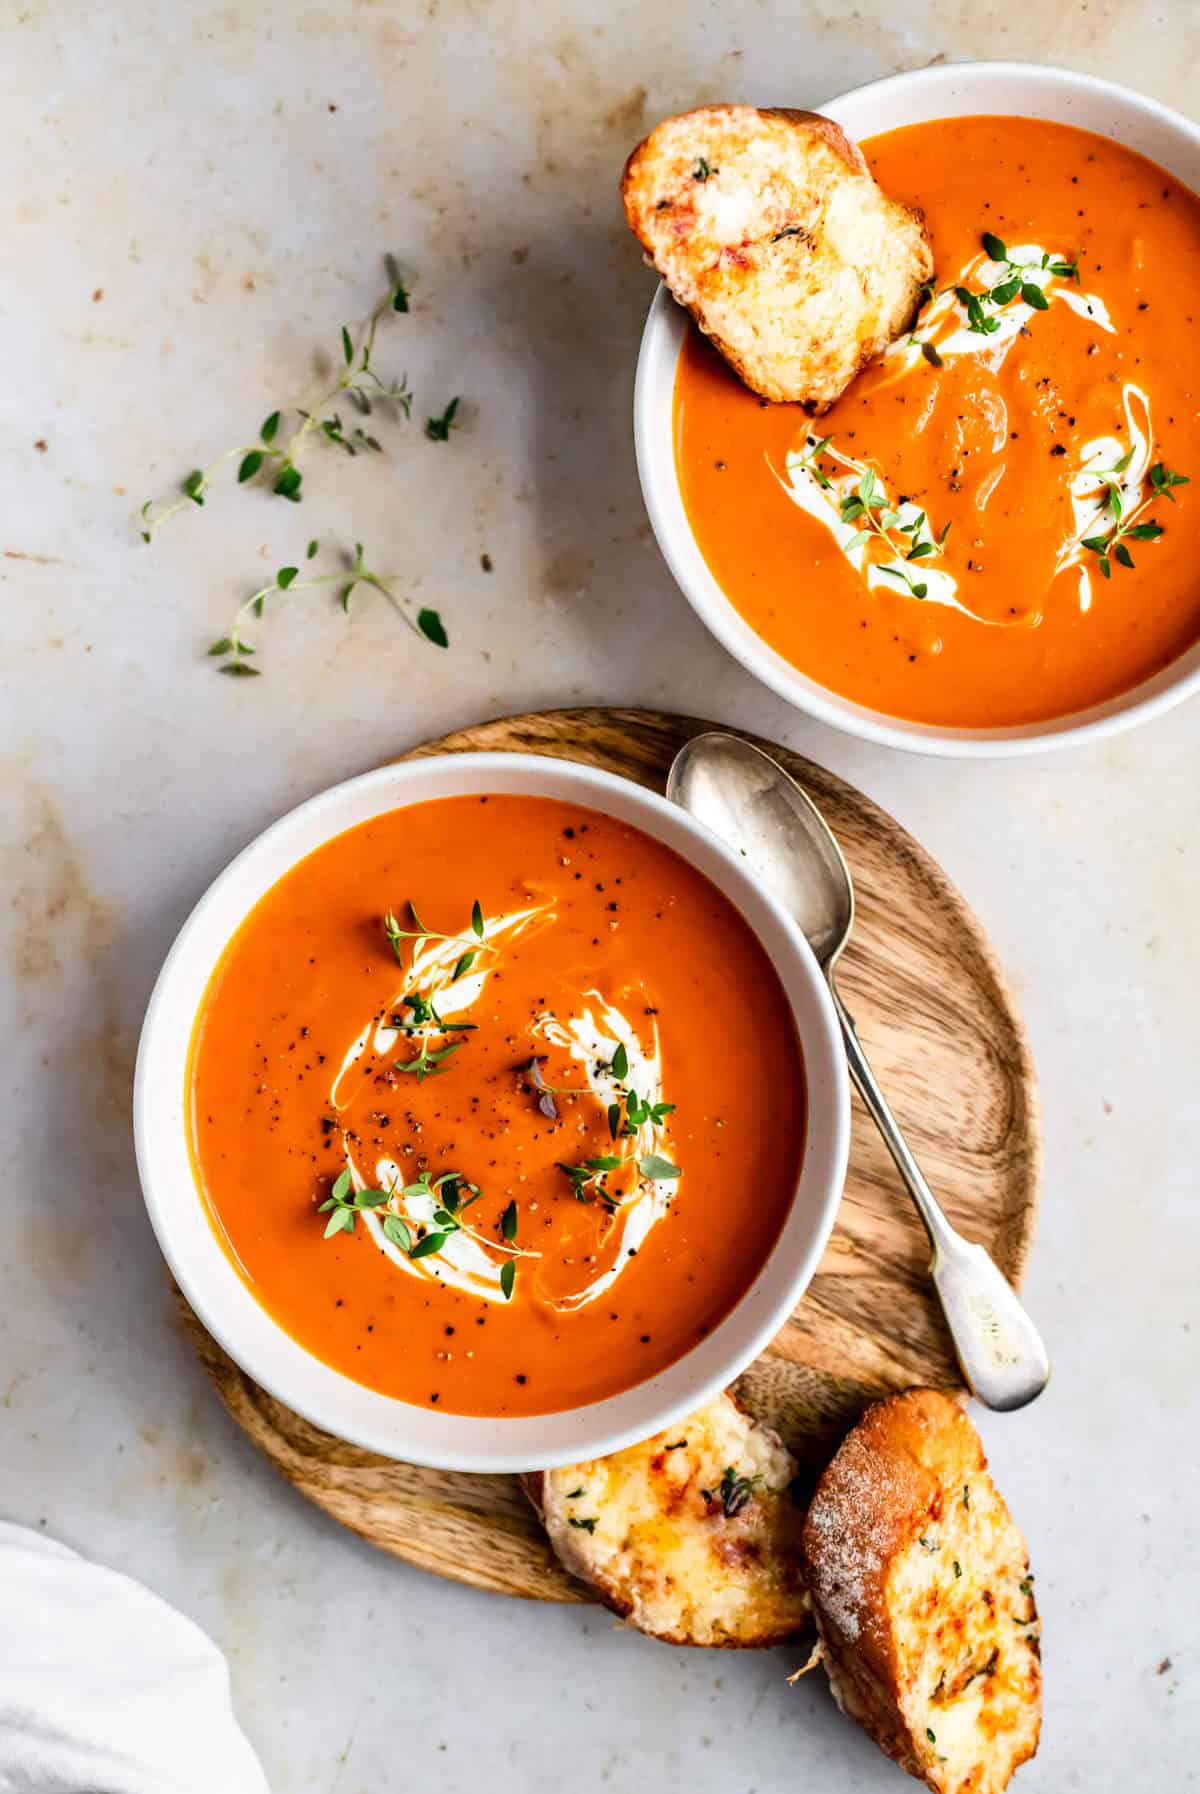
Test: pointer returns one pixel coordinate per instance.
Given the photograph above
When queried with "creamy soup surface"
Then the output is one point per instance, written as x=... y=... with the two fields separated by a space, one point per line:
x=496 y=1104
x=991 y=527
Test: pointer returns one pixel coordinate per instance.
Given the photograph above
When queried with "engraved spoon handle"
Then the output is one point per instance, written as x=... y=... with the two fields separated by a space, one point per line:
x=1000 y=1351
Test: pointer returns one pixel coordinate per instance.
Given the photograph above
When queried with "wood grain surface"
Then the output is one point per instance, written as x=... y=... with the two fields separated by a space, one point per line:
x=939 y=1025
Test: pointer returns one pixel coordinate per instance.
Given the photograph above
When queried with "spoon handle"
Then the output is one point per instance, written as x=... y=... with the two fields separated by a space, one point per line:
x=999 y=1349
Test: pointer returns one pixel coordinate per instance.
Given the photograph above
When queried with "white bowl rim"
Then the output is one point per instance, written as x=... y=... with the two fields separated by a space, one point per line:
x=232 y=1314
x=662 y=337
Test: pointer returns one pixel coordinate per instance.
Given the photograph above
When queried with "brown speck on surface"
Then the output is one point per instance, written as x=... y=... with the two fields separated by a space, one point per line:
x=485 y=561
x=520 y=257
x=1163 y=1667
x=98 y=295
x=41 y=445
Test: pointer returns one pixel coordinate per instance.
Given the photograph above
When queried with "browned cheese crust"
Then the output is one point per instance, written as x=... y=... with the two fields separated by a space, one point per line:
x=923 y=1597
x=691 y=1536
x=769 y=228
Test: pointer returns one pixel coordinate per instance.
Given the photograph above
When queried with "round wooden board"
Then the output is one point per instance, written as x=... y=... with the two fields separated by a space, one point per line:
x=940 y=1026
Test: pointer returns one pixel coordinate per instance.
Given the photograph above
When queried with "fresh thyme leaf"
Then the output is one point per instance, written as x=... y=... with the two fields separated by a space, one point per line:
x=312 y=550
x=477 y=919
x=270 y=427
x=620 y=1063
x=224 y=646
x=237 y=669
x=285 y=576
x=1145 y=532
x=1162 y=480
x=432 y=1242
x=1008 y=289
x=249 y=466
x=341 y=1219
x=997 y=252
x=508 y=1222
x=397 y=1231
x=347 y=346
x=400 y=297
x=588 y=1525
x=735 y=1491
x=438 y=428
x=194 y=486
x=702 y=170
x=655 y=1166
x=508 y=1277
x=464 y=965
x=341 y=1187
x=931 y=355
x=289 y=482
x=432 y=628
x=1033 y=295
x=1122 y=554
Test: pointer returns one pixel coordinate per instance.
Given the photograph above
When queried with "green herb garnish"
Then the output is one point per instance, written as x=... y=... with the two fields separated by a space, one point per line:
x=588 y=1525
x=733 y=1492
x=702 y=170
x=438 y=428
x=1113 y=545
x=426 y=623
x=357 y=382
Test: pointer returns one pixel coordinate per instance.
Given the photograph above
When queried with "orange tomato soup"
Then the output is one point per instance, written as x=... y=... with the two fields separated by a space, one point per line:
x=516 y=1033
x=1010 y=435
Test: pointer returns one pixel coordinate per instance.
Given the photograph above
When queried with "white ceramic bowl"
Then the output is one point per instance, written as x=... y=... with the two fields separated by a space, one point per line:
x=225 y=1304
x=1019 y=89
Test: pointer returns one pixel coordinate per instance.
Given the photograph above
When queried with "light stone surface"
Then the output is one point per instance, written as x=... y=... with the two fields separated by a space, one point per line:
x=193 y=197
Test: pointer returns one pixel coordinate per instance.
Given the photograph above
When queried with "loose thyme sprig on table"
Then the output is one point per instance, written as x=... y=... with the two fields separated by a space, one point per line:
x=1113 y=545
x=234 y=649
x=357 y=382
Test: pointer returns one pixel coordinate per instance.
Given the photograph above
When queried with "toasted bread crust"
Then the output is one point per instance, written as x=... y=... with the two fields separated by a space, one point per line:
x=648 y=1529
x=923 y=1599
x=769 y=228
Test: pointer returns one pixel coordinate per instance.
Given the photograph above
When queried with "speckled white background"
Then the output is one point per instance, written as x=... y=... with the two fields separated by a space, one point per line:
x=193 y=198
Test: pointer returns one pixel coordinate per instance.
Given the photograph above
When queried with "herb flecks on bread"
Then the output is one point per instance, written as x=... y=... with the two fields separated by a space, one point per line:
x=769 y=228
x=691 y=1536
x=923 y=1598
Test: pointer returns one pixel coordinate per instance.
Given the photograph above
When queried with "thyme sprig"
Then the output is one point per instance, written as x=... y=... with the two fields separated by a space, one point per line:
x=420 y=1019
x=357 y=382
x=233 y=648
x=1014 y=281
x=878 y=520
x=451 y=1193
x=981 y=306
x=733 y=1493
x=438 y=428
x=626 y=1116
x=1113 y=544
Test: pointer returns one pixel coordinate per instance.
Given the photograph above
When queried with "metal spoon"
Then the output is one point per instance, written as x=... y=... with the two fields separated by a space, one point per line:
x=747 y=799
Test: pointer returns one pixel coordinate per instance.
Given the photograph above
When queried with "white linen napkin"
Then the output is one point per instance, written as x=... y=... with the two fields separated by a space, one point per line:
x=104 y=1689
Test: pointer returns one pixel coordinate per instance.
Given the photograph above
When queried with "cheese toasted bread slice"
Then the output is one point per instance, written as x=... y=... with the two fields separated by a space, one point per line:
x=768 y=227
x=923 y=1599
x=690 y=1536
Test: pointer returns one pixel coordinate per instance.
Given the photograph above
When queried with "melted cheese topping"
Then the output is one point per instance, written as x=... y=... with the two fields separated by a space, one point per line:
x=648 y=1527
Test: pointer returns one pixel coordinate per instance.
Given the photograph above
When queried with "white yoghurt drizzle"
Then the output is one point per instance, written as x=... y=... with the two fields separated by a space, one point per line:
x=1108 y=463
x=983 y=274
x=591 y=1038
x=466 y=1261
x=825 y=502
